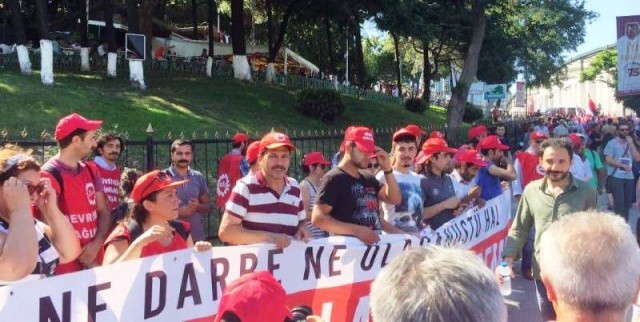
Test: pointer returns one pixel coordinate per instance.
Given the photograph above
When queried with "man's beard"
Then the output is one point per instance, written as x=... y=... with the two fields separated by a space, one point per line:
x=467 y=176
x=553 y=175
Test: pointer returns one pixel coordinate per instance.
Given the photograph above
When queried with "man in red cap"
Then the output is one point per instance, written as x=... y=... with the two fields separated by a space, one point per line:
x=468 y=163
x=252 y=156
x=79 y=188
x=527 y=164
x=266 y=207
x=232 y=167
x=490 y=177
x=441 y=203
x=476 y=134
x=408 y=214
x=347 y=201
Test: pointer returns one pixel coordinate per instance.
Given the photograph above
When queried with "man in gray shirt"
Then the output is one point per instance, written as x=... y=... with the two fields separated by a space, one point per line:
x=194 y=195
x=619 y=153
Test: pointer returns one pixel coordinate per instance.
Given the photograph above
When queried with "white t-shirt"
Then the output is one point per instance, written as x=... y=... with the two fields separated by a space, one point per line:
x=408 y=214
x=581 y=169
x=460 y=185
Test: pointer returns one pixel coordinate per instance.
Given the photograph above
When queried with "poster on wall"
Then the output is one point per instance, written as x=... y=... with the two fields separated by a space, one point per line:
x=628 y=35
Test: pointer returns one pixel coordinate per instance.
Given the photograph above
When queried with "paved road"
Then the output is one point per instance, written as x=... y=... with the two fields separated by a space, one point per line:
x=522 y=303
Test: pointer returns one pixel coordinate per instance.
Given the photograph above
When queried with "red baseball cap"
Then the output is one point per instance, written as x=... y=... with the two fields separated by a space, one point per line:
x=470 y=156
x=404 y=132
x=436 y=135
x=314 y=158
x=345 y=133
x=253 y=151
x=151 y=182
x=363 y=138
x=433 y=146
x=416 y=130
x=539 y=135
x=575 y=139
x=72 y=122
x=240 y=137
x=275 y=140
x=491 y=142
x=255 y=297
x=477 y=131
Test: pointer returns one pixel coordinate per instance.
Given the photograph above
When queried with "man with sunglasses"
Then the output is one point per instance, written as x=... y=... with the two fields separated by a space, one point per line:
x=408 y=214
x=619 y=153
x=348 y=198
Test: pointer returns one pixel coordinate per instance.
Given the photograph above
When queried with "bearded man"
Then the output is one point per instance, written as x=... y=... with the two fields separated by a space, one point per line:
x=544 y=201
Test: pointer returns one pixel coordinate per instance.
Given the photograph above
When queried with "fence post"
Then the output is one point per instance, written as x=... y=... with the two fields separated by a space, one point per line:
x=150 y=164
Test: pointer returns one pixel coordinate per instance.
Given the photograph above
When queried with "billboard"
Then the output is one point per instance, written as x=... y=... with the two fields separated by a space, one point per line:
x=494 y=92
x=628 y=34
x=520 y=94
x=135 y=47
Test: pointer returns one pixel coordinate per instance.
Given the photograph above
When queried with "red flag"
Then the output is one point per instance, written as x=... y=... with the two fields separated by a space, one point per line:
x=228 y=173
x=592 y=106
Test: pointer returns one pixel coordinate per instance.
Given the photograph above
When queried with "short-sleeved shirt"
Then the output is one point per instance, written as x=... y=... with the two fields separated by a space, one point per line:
x=461 y=186
x=408 y=214
x=491 y=185
x=196 y=187
x=261 y=208
x=616 y=149
x=353 y=200
x=439 y=189
x=581 y=169
x=596 y=164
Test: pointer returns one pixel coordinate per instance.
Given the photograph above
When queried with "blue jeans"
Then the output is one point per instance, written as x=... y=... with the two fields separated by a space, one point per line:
x=527 y=251
x=547 y=311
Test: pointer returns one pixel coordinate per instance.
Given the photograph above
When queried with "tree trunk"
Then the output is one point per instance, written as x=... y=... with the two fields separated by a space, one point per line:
x=241 y=68
x=427 y=74
x=112 y=55
x=146 y=22
x=455 y=111
x=210 y=14
x=82 y=31
x=133 y=17
x=275 y=41
x=396 y=44
x=327 y=26
x=46 y=48
x=21 y=38
x=361 y=72
x=194 y=16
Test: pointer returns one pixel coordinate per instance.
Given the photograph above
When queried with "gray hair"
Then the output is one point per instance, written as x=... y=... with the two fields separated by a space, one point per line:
x=591 y=260
x=433 y=284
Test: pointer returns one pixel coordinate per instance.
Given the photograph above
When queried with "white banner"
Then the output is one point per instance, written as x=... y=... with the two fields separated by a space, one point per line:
x=331 y=275
x=520 y=94
x=628 y=35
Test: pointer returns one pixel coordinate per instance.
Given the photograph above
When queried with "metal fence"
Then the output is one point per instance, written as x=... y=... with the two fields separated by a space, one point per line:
x=155 y=153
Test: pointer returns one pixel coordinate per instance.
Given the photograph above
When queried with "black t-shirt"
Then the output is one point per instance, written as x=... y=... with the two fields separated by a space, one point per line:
x=354 y=201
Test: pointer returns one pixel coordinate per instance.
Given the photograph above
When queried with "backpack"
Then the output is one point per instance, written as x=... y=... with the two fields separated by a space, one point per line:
x=56 y=175
x=135 y=229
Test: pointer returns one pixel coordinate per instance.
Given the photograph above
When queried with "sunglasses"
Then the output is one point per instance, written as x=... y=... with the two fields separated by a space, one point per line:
x=623 y=130
x=373 y=165
x=37 y=188
x=162 y=177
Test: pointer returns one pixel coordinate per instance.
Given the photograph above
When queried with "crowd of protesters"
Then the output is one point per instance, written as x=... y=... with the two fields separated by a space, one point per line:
x=68 y=215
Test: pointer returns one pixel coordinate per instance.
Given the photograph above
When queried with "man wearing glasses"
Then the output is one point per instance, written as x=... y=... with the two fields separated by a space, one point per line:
x=618 y=154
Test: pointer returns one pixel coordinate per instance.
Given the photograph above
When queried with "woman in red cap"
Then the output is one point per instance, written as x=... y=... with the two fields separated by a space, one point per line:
x=151 y=228
x=314 y=166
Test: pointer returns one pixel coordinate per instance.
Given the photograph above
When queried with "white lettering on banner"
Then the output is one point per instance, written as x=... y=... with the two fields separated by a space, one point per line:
x=334 y=276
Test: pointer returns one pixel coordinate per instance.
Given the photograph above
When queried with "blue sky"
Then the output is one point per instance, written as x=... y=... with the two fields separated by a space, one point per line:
x=602 y=30
x=599 y=33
